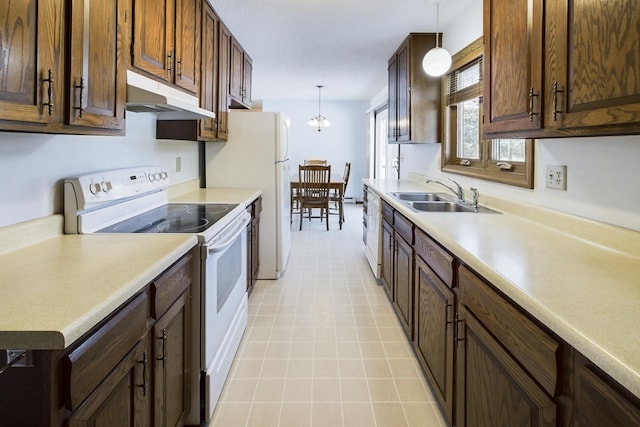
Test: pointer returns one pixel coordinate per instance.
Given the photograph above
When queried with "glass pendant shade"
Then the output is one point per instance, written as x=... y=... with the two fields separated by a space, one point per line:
x=436 y=62
x=319 y=121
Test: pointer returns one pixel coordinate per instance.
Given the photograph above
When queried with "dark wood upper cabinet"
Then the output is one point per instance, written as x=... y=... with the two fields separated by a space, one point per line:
x=593 y=67
x=166 y=41
x=414 y=96
x=97 y=71
x=32 y=64
x=561 y=68
x=209 y=82
x=153 y=36
x=187 y=45
x=224 y=58
x=241 y=68
x=513 y=47
x=65 y=67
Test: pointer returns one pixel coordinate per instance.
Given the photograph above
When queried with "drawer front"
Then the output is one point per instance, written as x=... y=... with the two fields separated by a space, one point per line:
x=403 y=226
x=170 y=285
x=536 y=350
x=88 y=364
x=436 y=257
x=387 y=212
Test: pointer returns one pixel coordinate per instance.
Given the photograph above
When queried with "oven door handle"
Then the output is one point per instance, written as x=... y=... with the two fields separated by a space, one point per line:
x=235 y=229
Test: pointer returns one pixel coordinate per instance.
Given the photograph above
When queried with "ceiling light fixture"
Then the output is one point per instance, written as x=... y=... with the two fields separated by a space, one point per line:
x=319 y=121
x=437 y=61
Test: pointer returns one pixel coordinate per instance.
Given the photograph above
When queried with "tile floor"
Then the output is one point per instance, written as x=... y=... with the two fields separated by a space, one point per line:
x=323 y=346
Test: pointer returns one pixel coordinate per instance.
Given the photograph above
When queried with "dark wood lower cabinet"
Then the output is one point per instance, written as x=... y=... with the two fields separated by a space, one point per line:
x=492 y=388
x=172 y=351
x=433 y=338
x=121 y=398
x=403 y=284
x=387 y=258
x=598 y=401
x=129 y=370
x=489 y=363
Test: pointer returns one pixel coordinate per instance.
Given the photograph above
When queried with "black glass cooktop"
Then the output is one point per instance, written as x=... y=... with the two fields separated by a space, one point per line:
x=172 y=218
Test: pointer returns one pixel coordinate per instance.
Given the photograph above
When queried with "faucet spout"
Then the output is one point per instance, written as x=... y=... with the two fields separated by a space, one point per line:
x=458 y=191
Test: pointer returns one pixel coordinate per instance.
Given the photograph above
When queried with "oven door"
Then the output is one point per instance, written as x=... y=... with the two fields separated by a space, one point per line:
x=223 y=311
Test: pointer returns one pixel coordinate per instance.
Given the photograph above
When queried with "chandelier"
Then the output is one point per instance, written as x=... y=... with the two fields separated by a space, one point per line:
x=319 y=121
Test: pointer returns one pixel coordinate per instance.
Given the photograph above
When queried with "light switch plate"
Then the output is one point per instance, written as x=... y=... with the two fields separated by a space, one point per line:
x=556 y=177
x=178 y=164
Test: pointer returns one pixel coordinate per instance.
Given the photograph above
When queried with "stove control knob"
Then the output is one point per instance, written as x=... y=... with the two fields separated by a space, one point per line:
x=158 y=176
x=164 y=175
x=106 y=186
x=152 y=177
x=95 y=188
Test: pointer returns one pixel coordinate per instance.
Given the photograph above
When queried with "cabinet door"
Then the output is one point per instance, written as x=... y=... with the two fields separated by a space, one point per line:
x=209 y=73
x=153 y=36
x=404 y=97
x=403 y=284
x=122 y=398
x=598 y=402
x=32 y=62
x=492 y=388
x=512 y=65
x=171 y=336
x=187 y=45
x=247 y=72
x=235 y=78
x=434 y=333
x=223 y=80
x=593 y=63
x=393 y=99
x=387 y=258
x=97 y=79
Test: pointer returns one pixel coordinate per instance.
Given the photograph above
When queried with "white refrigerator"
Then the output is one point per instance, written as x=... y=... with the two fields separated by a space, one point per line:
x=256 y=155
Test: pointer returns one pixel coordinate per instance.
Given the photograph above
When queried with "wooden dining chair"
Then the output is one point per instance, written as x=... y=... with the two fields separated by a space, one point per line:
x=313 y=192
x=315 y=162
x=337 y=198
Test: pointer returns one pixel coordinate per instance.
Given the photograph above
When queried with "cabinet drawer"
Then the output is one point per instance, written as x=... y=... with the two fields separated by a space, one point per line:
x=436 y=257
x=89 y=363
x=403 y=226
x=535 y=349
x=170 y=285
x=387 y=212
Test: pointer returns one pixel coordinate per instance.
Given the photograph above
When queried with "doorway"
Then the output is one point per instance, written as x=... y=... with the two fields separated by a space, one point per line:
x=386 y=156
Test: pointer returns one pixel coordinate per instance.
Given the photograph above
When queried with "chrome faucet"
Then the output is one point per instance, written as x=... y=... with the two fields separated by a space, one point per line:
x=458 y=191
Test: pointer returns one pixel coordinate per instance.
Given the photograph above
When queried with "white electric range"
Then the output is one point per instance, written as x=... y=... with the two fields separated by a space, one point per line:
x=135 y=200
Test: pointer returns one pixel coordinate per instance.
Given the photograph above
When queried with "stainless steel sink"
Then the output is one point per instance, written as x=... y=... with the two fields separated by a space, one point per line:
x=419 y=197
x=439 y=207
x=435 y=202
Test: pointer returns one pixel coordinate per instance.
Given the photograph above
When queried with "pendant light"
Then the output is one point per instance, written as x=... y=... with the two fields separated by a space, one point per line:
x=437 y=61
x=319 y=121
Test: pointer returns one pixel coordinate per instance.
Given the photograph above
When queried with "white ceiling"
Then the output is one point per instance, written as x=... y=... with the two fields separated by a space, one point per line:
x=341 y=44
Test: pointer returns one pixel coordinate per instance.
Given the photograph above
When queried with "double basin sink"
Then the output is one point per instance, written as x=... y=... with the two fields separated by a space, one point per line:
x=435 y=202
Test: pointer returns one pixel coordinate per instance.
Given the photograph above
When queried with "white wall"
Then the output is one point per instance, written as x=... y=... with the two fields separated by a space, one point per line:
x=602 y=182
x=32 y=166
x=344 y=141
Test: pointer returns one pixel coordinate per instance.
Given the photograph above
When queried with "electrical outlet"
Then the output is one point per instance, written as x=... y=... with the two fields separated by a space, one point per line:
x=557 y=177
x=178 y=164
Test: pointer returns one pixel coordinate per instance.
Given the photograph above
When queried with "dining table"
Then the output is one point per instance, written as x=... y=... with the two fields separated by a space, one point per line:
x=336 y=183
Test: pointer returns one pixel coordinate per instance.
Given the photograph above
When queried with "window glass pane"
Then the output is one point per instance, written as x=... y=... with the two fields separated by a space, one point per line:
x=509 y=150
x=469 y=129
x=468 y=77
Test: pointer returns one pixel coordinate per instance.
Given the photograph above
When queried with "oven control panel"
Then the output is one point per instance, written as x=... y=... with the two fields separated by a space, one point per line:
x=100 y=188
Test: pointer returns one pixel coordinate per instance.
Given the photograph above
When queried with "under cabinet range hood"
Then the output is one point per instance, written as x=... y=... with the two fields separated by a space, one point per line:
x=145 y=95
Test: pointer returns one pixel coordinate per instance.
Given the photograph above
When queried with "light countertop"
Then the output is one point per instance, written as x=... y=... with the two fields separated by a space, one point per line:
x=56 y=287
x=579 y=278
x=56 y=290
